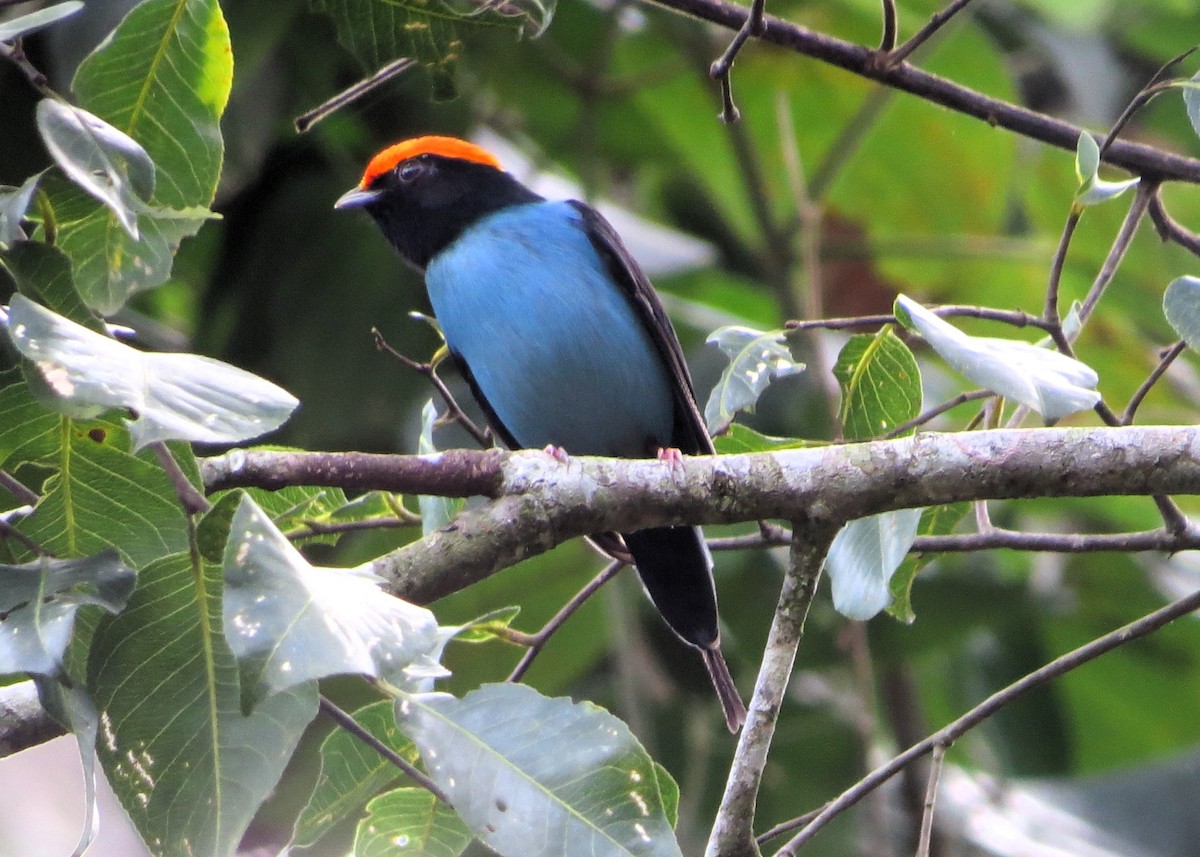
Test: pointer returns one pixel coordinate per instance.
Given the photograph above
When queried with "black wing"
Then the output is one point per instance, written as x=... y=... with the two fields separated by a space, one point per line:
x=689 y=434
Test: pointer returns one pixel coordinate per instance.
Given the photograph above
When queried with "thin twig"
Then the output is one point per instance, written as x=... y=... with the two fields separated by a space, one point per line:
x=887 y=41
x=1015 y=318
x=1137 y=209
x=732 y=829
x=321 y=528
x=1164 y=362
x=538 y=641
x=1050 y=314
x=1154 y=86
x=23 y=493
x=427 y=371
x=723 y=66
x=938 y=410
x=350 y=94
x=861 y=60
x=1060 y=666
x=14 y=51
x=343 y=718
x=190 y=497
x=937 y=758
x=919 y=38
x=8 y=531
x=1170 y=229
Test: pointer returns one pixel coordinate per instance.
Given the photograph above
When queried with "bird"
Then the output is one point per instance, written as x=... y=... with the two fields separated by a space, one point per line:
x=562 y=341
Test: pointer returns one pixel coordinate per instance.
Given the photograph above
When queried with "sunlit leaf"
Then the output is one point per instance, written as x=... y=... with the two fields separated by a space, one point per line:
x=864 y=556
x=288 y=622
x=1092 y=188
x=42 y=273
x=436 y=512
x=410 y=821
x=881 y=384
x=107 y=163
x=1046 y=381
x=487 y=627
x=755 y=359
x=34 y=21
x=174 y=396
x=531 y=775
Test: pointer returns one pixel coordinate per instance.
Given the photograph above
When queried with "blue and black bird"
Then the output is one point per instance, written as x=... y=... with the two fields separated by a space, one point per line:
x=561 y=338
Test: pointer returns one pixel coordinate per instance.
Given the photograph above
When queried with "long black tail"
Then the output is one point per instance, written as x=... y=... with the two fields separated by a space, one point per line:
x=676 y=570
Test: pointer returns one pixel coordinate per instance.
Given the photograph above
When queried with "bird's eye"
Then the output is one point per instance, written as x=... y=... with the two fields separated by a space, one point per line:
x=408 y=172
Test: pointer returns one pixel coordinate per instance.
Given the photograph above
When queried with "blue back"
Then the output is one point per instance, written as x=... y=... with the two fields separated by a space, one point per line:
x=555 y=346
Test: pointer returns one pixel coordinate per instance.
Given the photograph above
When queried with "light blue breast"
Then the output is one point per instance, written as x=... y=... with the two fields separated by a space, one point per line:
x=555 y=347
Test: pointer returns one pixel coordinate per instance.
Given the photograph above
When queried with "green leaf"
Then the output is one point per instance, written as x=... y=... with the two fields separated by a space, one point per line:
x=288 y=622
x=351 y=772
x=39 y=600
x=410 y=821
x=1093 y=189
x=42 y=273
x=532 y=776
x=188 y=768
x=174 y=396
x=436 y=512
x=377 y=32
x=881 y=384
x=864 y=556
x=106 y=163
x=935 y=521
x=14 y=202
x=755 y=359
x=1181 y=305
x=103 y=497
x=739 y=438
x=487 y=627
x=28 y=432
x=163 y=78
x=1046 y=381
x=34 y=21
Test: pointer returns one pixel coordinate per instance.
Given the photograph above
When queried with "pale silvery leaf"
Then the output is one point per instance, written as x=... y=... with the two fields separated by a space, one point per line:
x=174 y=396
x=39 y=600
x=755 y=359
x=1191 y=99
x=1092 y=188
x=436 y=512
x=13 y=205
x=864 y=556
x=289 y=622
x=1046 y=381
x=107 y=163
x=1181 y=305
x=26 y=24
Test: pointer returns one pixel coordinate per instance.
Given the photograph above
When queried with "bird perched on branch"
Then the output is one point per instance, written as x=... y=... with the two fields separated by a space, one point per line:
x=561 y=338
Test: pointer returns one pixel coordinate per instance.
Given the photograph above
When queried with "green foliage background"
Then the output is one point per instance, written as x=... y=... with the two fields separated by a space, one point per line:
x=921 y=201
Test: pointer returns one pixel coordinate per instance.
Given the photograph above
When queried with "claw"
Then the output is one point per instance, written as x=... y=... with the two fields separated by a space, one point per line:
x=557 y=453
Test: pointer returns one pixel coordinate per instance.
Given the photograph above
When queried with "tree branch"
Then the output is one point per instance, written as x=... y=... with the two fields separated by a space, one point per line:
x=732 y=833
x=857 y=59
x=539 y=502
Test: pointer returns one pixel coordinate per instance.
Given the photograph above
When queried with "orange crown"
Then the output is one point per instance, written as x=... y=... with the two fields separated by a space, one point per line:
x=446 y=147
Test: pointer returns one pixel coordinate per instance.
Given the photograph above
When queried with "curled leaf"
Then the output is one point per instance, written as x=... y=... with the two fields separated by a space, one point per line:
x=1050 y=383
x=864 y=556
x=1092 y=188
x=756 y=358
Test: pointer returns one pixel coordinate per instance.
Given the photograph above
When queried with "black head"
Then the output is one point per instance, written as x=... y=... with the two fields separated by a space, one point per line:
x=423 y=193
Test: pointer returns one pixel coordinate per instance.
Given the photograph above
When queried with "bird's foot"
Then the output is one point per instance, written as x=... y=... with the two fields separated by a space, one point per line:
x=557 y=453
x=671 y=456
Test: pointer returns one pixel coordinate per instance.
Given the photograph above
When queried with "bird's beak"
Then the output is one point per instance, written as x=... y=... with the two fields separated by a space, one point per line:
x=356 y=198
